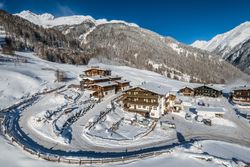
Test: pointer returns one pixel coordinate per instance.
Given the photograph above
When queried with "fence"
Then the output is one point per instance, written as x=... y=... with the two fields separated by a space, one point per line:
x=73 y=160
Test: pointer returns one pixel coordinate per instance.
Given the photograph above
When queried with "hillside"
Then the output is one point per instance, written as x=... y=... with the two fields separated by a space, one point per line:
x=114 y=42
x=231 y=46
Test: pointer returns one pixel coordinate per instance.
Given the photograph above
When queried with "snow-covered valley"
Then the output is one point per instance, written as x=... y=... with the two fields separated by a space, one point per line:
x=58 y=120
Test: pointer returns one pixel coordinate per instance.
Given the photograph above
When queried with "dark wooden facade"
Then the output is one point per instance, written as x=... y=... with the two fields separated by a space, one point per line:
x=140 y=100
x=97 y=71
x=207 y=91
x=241 y=95
x=87 y=83
x=101 y=91
x=187 y=91
x=122 y=85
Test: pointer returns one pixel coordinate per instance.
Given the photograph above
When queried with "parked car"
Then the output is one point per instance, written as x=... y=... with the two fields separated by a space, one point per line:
x=167 y=125
x=201 y=103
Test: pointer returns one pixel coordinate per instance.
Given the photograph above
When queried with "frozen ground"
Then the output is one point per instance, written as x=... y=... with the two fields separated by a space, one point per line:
x=21 y=80
x=175 y=158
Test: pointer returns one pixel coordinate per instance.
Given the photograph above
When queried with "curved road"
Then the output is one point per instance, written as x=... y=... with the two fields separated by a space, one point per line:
x=187 y=132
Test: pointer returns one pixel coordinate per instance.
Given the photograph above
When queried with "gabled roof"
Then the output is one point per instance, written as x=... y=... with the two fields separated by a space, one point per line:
x=122 y=81
x=114 y=76
x=96 y=78
x=245 y=87
x=211 y=86
x=154 y=88
x=189 y=87
x=106 y=84
x=96 y=68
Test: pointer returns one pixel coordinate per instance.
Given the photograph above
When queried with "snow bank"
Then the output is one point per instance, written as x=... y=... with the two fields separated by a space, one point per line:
x=226 y=150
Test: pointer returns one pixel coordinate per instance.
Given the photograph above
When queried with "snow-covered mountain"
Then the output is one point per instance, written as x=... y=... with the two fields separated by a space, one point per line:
x=224 y=43
x=231 y=45
x=48 y=20
x=114 y=42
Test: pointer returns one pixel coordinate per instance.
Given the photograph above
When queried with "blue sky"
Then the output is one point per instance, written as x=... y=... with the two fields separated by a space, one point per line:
x=184 y=20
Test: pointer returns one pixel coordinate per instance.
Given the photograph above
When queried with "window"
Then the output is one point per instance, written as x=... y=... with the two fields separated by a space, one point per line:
x=135 y=93
x=155 y=107
x=139 y=106
x=144 y=107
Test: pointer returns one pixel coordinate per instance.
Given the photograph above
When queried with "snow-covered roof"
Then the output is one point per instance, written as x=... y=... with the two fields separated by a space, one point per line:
x=106 y=84
x=95 y=68
x=245 y=87
x=210 y=109
x=122 y=81
x=99 y=77
x=189 y=86
x=211 y=86
x=114 y=76
x=214 y=87
x=90 y=91
x=96 y=78
x=155 y=88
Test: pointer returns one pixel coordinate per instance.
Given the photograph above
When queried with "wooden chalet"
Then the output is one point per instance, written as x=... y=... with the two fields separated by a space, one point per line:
x=102 y=89
x=122 y=84
x=241 y=95
x=146 y=99
x=187 y=91
x=88 y=82
x=172 y=103
x=95 y=71
x=207 y=90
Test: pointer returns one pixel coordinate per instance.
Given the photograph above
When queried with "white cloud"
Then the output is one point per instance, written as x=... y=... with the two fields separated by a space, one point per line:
x=65 y=10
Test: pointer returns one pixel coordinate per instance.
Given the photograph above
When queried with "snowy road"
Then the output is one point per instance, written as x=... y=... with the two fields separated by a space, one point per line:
x=85 y=146
x=81 y=146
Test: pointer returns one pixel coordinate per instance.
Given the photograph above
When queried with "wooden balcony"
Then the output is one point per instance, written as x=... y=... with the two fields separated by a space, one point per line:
x=141 y=102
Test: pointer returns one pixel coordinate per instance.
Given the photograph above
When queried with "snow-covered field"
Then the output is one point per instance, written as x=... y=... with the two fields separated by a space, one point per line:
x=177 y=157
x=69 y=110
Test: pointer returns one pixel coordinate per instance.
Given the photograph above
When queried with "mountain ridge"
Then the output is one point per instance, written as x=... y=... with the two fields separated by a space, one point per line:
x=228 y=45
x=121 y=43
x=47 y=20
